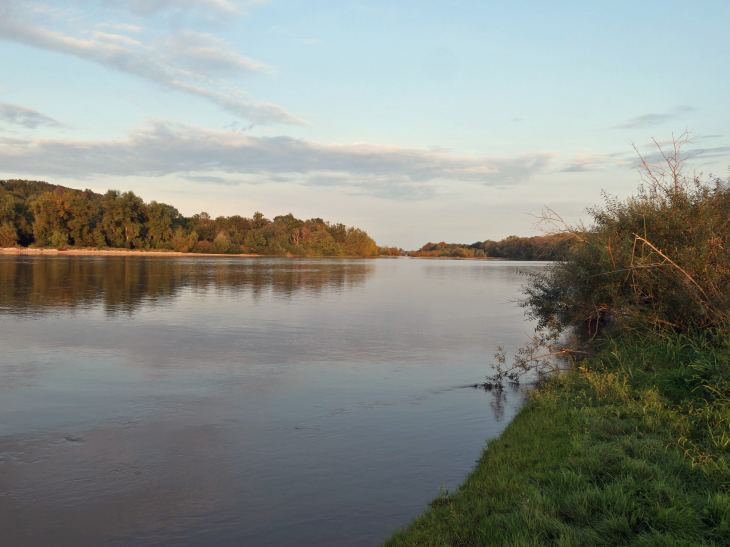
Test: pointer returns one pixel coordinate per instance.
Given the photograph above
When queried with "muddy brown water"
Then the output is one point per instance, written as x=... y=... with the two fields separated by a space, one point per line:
x=264 y=402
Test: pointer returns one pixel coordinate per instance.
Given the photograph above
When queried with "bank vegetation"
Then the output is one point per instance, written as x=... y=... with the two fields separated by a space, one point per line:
x=630 y=444
x=39 y=214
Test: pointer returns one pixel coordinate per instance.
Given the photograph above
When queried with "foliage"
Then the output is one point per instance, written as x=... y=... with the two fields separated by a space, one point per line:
x=8 y=235
x=629 y=445
x=59 y=240
x=551 y=247
x=41 y=214
x=660 y=259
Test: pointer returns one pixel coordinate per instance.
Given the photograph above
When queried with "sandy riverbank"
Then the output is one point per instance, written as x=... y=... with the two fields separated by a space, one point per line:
x=103 y=252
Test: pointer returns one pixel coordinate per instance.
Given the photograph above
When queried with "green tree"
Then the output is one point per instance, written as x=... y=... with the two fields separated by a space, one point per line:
x=255 y=242
x=221 y=244
x=323 y=243
x=159 y=224
x=124 y=219
x=182 y=241
x=49 y=217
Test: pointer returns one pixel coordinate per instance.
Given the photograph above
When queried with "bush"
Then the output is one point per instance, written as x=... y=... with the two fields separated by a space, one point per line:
x=182 y=242
x=221 y=244
x=59 y=240
x=661 y=258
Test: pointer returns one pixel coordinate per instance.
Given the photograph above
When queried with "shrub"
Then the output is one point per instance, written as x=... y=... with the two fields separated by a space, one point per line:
x=182 y=242
x=221 y=244
x=59 y=240
x=661 y=258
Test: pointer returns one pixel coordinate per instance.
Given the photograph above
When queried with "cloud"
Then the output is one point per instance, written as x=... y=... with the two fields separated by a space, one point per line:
x=166 y=148
x=587 y=161
x=26 y=117
x=204 y=54
x=189 y=62
x=149 y=7
x=650 y=120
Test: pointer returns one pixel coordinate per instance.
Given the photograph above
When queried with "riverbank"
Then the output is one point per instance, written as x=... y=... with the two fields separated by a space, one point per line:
x=630 y=448
x=103 y=252
x=138 y=252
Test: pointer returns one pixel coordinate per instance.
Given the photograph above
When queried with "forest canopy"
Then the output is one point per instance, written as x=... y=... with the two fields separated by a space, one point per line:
x=514 y=247
x=40 y=214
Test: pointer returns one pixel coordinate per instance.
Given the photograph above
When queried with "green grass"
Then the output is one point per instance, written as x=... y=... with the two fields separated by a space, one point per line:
x=630 y=448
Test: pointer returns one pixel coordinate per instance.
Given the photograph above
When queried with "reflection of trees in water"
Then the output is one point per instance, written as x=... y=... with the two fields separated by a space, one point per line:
x=123 y=284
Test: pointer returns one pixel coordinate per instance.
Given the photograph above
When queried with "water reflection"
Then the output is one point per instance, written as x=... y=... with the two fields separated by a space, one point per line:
x=176 y=401
x=123 y=284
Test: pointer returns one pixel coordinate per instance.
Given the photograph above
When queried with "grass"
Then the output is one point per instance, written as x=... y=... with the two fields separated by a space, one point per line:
x=629 y=448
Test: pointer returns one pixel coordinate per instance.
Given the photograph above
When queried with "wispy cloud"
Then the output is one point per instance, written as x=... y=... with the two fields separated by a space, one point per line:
x=587 y=161
x=25 y=117
x=190 y=62
x=651 y=120
x=165 y=148
x=149 y=7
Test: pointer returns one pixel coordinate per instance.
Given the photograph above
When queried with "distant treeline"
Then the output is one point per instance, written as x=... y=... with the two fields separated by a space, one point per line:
x=514 y=247
x=40 y=214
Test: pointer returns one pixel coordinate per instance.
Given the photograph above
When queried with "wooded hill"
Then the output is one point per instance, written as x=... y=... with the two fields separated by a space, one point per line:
x=39 y=214
x=514 y=247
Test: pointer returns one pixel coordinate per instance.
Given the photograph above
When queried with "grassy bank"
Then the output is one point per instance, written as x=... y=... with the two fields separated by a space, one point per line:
x=630 y=448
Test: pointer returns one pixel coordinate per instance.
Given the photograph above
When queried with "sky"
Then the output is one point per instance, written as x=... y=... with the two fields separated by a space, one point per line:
x=415 y=121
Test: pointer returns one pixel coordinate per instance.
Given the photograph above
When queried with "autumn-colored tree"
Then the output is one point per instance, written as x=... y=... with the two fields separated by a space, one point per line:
x=358 y=243
x=324 y=244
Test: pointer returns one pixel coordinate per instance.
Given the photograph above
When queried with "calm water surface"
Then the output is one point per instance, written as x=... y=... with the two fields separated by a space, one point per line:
x=211 y=401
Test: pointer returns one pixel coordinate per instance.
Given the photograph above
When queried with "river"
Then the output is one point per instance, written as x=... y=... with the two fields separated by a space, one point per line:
x=262 y=402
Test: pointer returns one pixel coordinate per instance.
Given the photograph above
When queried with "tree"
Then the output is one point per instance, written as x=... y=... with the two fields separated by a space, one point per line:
x=49 y=217
x=259 y=221
x=357 y=242
x=159 y=224
x=124 y=219
x=183 y=242
x=255 y=242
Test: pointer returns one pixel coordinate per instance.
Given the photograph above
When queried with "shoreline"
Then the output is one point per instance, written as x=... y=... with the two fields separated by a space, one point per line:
x=595 y=456
x=103 y=252
x=29 y=251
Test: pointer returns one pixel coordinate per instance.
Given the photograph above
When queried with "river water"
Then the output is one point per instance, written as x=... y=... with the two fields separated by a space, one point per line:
x=260 y=402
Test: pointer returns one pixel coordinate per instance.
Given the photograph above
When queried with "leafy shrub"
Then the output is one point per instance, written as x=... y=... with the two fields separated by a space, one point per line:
x=221 y=244
x=182 y=242
x=59 y=240
x=661 y=258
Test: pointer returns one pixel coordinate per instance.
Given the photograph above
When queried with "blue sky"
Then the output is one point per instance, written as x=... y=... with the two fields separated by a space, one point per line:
x=416 y=121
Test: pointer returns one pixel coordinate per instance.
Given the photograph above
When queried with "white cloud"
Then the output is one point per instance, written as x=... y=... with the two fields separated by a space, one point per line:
x=26 y=117
x=204 y=54
x=164 y=148
x=115 y=38
x=190 y=62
